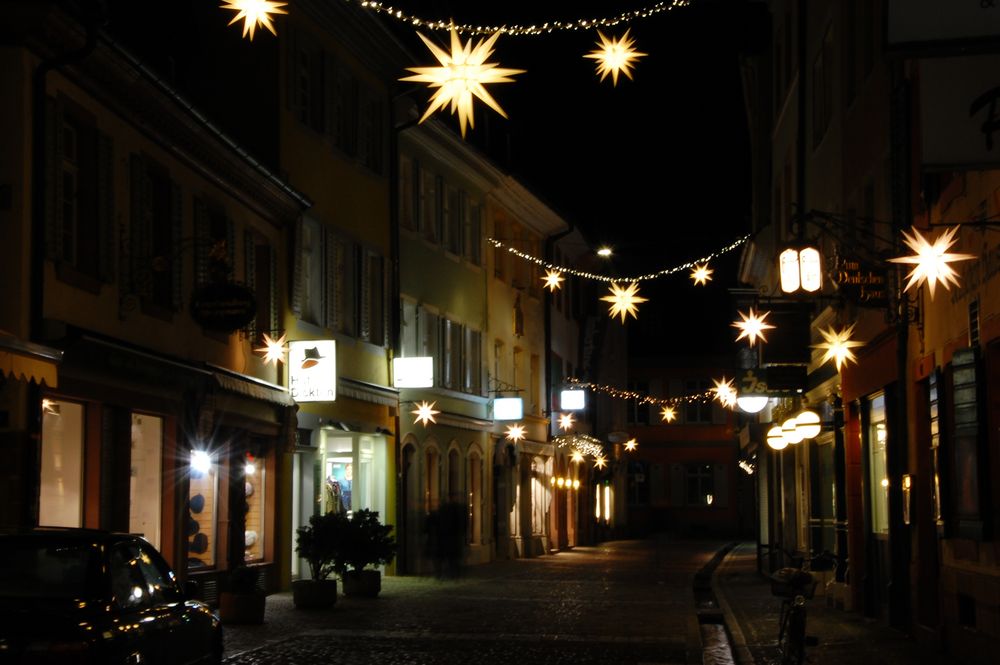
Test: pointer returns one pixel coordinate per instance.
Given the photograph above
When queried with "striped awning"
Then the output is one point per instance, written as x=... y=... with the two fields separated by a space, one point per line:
x=25 y=361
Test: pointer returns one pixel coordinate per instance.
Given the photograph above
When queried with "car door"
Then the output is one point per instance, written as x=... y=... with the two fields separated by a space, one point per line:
x=187 y=631
x=139 y=631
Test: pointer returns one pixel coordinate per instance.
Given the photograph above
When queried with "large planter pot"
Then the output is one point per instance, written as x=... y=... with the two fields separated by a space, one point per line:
x=241 y=608
x=362 y=583
x=314 y=594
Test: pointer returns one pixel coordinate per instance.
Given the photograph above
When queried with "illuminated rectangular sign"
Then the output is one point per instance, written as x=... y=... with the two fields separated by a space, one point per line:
x=508 y=408
x=312 y=370
x=573 y=400
x=417 y=372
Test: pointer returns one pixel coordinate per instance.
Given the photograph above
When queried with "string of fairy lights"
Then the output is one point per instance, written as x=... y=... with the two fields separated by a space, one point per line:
x=665 y=272
x=643 y=398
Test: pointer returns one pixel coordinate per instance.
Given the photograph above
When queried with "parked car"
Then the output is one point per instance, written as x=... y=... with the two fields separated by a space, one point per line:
x=94 y=597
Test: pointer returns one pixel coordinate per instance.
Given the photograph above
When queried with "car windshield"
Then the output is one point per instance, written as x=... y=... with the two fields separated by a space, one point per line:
x=35 y=569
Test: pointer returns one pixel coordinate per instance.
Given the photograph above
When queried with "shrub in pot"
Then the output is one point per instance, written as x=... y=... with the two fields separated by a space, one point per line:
x=318 y=543
x=368 y=542
x=241 y=602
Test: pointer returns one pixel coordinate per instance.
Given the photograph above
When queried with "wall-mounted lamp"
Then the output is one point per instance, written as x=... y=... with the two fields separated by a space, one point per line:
x=805 y=425
x=800 y=269
x=201 y=461
x=751 y=403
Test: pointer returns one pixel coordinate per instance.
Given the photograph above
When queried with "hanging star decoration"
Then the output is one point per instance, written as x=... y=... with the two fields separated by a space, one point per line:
x=553 y=280
x=600 y=461
x=255 y=14
x=461 y=77
x=725 y=393
x=631 y=445
x=701 y=274
x=49 y=406
x=577 y=456
x=837 y=345
x=515 y=432
x=273 y=350
x=931 y=261
x=425 y=413
x=752 y=326
x=565 y=421
x=668 y=413
x=615 y=56
x=623 y=301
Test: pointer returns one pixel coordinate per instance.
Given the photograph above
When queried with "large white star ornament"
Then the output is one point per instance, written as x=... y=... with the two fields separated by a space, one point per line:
x=668 y=413
x=623 y=301
x=255 y=14
x=565 y=421
x=724 y=392
x=462 y=76
x=600 y=461
x=615 y=56
x=631 y=445
x=515 y=432
x=837 y=345
x=577 y=457
x=701 y=274
x=752 y=326
x=425 y=413
x=553 y=280
x=273 y=349
x=930 y=261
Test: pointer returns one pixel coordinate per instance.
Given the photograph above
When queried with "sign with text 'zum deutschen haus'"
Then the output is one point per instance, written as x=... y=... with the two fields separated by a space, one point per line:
x=312 y=370
x=860 y=282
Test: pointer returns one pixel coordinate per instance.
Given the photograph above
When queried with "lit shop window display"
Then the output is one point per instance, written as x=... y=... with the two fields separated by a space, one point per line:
x=202 y=518
x=253 y=471
x=60 y=501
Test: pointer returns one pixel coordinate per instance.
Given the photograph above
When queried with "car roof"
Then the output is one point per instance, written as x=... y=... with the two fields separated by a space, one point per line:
x=69 y=534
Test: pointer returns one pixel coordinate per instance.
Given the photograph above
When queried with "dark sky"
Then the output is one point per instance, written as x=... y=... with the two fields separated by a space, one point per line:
x=658 y=167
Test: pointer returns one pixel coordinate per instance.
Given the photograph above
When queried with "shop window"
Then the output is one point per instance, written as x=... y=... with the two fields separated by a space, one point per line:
x=877 y=471
x=352 y=473
x=475 y=498
x=700 y=484
x=60 y=501
x=144 y=482
x=254 y=485
x=454 y=477
x=539 y=496
x=432 y=492
x=202 y=519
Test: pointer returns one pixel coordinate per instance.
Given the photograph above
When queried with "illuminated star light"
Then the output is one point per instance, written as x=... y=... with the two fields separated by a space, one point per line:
x=668 y=413
x=461 y=76
x=615 y=56
x=725 y=393
x=49 y=406
x=425 y=413
x=577 y=456
x=838 y=345
x=752 y=326
x=701 y=274
x=553 y=280
x=600 y=461
x=273 y=350
x=565 y=421
x=515 y=432
x=623 y=301
x=631 y=445
x=255 y=13
x=931 y=261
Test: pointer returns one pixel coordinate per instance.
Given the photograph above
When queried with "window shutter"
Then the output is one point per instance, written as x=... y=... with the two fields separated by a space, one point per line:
x=330 y=279
x=176 y=234
x=365 y=296
x=250 y=277
x=677 y=482
x=139 y=228
x=230 y=248
x=385 y=301
x=202 y=243
x=295 y=296
x=720 y=486
x=272 y=255
x=53 y=154
x=105 y=208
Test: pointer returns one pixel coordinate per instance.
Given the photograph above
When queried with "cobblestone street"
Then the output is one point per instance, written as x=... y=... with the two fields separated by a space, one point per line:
x=620 y=602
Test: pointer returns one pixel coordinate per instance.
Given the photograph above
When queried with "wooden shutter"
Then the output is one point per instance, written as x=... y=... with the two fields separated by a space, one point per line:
x=176 y=238
x=295 y=281
x=202 y=242
x=250 y=277
x=272 y=256
x=364 y=295
x=139 y=227
x=330 y=270
x=105 y=208
x=53 y=199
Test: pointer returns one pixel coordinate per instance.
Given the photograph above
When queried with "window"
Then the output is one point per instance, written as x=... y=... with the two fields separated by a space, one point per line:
x=128 y=587
x=80 y=226
x=472 y=381
x=878 y=474
x=60 y=501
x=430 y=208
x=450 y=356
x=499 y=253
x=452 y=219
x=697 y=411
x=432 y=492
x=261 y=278
x=408 y=187
x=308 y=69
x=934 y=415
x=409 y=325
x=472 y=239
x=145 y=477
x=202 y=519
x=454 y=477
x=700 y=484
x=312 y=272
x=214 y=243
x=373 y=297
x=344 y=96
x=539 y=496
x=475 y=498
x=254 y=486
x=822 y=87
x=638 y=411
x=344 y=285
x=534 y=384
x=370 y=132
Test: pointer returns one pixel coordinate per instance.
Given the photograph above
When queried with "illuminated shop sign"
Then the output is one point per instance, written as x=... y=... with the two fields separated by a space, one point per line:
x=312 y=370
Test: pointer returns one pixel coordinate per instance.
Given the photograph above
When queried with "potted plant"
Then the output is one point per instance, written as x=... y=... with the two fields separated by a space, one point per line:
x=319 y=543
x=368 y=542
x=241 y=602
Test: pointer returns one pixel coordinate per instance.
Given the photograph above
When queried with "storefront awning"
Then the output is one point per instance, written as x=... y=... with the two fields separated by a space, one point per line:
x=29 y=362
x=251 y=387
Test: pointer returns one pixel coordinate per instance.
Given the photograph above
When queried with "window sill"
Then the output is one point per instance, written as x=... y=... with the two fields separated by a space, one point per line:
x=68 y=274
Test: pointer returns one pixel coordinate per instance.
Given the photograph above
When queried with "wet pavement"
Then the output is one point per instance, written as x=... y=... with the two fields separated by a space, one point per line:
x=627 y=602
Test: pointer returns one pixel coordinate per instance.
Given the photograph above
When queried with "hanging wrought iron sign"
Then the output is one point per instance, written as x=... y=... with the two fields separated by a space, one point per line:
x=223 y=306
x=861 y=283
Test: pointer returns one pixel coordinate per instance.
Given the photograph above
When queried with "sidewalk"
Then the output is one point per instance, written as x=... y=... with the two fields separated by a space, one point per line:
x=751 y=614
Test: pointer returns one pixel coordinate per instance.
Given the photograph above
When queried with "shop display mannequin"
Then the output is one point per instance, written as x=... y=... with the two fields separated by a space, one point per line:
x=333 y=498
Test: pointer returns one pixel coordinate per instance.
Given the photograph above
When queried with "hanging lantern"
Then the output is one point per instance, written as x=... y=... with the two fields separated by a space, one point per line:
x=800 y=269
x=776 y=438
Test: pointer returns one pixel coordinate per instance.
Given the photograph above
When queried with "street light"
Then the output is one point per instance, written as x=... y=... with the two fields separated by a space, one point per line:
x=800 y=268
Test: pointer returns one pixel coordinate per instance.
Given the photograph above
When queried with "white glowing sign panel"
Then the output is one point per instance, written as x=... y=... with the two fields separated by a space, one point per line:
x=312 y=370
x=508 y=408
x=572 y=400
x=415 y=372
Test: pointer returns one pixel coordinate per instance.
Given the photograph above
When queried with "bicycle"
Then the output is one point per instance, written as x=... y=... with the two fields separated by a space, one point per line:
x=795 y=586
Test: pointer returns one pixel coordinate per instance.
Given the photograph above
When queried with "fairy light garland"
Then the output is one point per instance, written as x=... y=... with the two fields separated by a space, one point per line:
x=534 y=29
x=611 y=391
x=607 y=278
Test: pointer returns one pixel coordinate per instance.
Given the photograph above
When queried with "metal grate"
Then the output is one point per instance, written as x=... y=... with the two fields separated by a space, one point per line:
x=210 y=590
x=974 y=322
